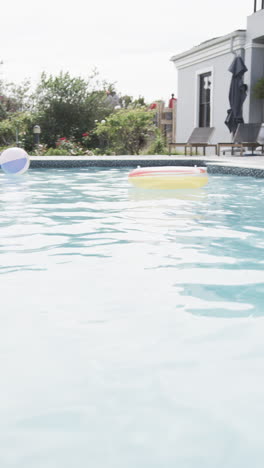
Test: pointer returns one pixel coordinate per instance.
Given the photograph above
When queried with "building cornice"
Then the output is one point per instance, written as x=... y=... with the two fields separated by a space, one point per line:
x=210 y=49
x=253 y=45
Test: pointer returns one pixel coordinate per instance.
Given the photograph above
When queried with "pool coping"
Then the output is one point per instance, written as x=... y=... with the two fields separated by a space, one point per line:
x=246 y=165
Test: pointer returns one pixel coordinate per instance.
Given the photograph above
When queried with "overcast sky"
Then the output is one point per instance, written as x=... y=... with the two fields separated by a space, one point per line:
x=130 y=43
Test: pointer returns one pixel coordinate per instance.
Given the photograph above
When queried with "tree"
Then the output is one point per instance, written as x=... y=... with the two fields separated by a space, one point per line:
x=129 y=101
x=68 y=107
x=126 y=131
x=15 y=129
x=14 y=98
x=15 y=115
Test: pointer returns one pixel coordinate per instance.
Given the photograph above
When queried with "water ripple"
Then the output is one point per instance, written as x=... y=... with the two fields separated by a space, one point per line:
x=132 y=322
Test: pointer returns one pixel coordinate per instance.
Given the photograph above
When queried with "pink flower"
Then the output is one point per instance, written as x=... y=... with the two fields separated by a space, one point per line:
x=85 y=134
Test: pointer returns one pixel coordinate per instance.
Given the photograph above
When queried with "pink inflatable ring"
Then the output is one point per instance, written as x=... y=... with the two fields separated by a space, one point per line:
x=169 y=177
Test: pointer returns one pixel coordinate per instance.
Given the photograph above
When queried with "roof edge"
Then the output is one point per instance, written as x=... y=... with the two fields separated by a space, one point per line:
x=209 y=43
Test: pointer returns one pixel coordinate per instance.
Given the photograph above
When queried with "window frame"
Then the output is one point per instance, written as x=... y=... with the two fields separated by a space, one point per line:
x=197 y=95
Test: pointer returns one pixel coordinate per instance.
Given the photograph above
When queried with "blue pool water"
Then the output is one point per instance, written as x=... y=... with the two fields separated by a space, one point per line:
x=132 y=322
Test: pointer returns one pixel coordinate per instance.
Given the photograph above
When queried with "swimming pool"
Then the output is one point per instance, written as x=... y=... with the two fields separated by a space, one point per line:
x=132 y=322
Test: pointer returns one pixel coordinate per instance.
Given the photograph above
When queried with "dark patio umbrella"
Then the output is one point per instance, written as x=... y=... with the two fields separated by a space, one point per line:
x=237 y=94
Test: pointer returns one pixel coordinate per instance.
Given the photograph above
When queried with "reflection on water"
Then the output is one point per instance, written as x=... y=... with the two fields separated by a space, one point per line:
x=131 y=322
x=137 y=194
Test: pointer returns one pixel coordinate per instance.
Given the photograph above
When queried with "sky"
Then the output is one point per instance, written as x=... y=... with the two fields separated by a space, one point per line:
x=129 y=43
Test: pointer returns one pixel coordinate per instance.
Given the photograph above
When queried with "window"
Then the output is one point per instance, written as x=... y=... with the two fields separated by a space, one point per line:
x=205 y=99
x=258 y=5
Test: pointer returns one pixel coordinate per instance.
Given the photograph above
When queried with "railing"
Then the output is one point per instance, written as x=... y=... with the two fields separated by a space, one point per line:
x=258 y=5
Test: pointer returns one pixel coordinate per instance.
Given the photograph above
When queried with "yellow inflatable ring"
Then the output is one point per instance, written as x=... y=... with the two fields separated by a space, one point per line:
x=169 y=177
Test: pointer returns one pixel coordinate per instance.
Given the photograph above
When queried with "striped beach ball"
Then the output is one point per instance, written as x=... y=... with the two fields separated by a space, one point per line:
x=14 y=161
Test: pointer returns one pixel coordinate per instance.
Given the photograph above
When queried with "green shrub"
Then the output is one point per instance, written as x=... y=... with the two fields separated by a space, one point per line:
x=56 y=152
x=2 y=148
x=258 y=93
x=97 y=152
x=125 y=131
x=258 y=89
x=176 y=153
x=158 y=145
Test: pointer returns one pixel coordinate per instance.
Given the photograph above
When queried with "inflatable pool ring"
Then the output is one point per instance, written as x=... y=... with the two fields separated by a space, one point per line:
x=169 y=177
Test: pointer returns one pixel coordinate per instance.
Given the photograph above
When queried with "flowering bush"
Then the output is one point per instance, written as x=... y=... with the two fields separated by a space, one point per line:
x=39 y=150
x=65 y=147
x=71 y=146
x=86 y=139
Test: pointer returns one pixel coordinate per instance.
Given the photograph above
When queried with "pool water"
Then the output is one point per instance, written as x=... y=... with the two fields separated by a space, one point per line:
x=132 y=322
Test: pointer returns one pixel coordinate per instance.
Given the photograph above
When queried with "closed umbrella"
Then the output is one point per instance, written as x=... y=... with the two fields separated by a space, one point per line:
x=237 y=94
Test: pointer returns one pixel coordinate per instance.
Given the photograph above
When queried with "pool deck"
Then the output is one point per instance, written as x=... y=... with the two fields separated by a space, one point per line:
x=245 y=165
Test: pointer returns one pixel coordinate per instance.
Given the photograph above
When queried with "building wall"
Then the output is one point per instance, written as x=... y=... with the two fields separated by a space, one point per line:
x=250 y=44
x=187 y=105
x=255 y=25
x=257 y=72
x=255 y=62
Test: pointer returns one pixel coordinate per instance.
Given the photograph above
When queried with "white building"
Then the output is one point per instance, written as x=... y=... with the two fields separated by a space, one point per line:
x=204 y=79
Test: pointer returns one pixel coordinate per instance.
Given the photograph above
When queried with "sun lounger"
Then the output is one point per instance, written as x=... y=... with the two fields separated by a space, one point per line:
x=199 y=138
x=246 y=137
